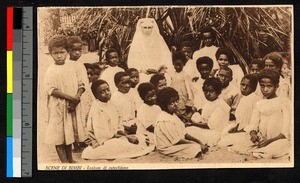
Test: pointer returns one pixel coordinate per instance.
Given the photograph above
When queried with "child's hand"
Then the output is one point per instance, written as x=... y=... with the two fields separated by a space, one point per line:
x=71 y=107
x=132 y=129
x=204 y=148
x=254 y=137
x=150 y=129
x=195 y=79
x=133 y=139
x=189 y=123
x=188 y=109
x=264 y=143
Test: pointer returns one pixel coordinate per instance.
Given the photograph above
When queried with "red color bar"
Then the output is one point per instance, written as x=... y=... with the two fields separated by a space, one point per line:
x=9 y=28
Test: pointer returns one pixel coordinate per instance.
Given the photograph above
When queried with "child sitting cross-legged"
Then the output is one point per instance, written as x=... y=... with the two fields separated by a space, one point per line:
x=148 y=111
x=214 y=116
x=106 y=132
x=243 y=111
x=170 y=134
x=269 y=127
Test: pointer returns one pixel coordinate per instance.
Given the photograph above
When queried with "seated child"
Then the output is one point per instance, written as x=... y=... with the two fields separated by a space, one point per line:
x=230 y=93
x=148 y=111
x=159 y=81
x=108 y=139
x=270 y=122
x=274 y=61
x=134 y=79
x=225 y=58
x=170 y=135
x=214 y=117
x=181 y=82
x=243 y=111
x=204 y=67
x=112 y=58
x=64 y=88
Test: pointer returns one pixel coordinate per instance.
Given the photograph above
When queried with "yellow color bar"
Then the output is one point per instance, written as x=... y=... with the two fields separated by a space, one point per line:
x=9 y=61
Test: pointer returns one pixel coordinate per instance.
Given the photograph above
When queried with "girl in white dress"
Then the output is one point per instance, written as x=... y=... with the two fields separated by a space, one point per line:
x=170 y=134
x=270 y=123
x=106 y=132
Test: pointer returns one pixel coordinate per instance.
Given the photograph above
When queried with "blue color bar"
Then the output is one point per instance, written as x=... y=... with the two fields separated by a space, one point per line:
x=9 y=157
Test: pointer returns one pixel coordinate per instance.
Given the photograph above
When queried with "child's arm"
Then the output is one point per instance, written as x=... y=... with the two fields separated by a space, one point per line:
x=58 y=94
x=269 y=141
x=204 y=148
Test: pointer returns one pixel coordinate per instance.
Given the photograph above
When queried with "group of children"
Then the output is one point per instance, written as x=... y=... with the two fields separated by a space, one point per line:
x=198 y=107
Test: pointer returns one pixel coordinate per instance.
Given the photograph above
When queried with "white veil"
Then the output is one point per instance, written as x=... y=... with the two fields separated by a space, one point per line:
x=148 y=52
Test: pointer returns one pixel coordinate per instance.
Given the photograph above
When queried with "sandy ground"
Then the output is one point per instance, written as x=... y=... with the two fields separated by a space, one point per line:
x=215 y=156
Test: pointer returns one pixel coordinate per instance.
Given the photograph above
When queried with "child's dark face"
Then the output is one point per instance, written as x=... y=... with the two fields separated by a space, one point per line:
x=59 y=55
x=113 y=59
x=103 y=93
x=161 y=84
x=204 y=69
x=173 y=105
x=223 y=61
x=124 y=85
x=178 y=65
x=187 y=51
x=254 y=69
x=210 y=93
x=269 y=64
x=75 y=51
x=246 y=87
x=268 y=88
x=225 y=78
x=134 y=78
x=207 y=39
x=150 y=98
x=90 y=73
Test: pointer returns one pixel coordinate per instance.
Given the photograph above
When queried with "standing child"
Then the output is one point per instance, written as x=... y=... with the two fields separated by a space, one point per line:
x=171 y=138
x=75 y=51
x=181 y=82
x=113 y=59
x=204 y=67
x=255 y=66
x=134 y=79
x=270 y=123
x=243 y=111
x=64 y=87
x=190 y=66
x=214 y=115
x=108 y=140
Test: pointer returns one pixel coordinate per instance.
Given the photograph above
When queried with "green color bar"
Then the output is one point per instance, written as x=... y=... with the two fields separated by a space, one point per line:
x=9 y=114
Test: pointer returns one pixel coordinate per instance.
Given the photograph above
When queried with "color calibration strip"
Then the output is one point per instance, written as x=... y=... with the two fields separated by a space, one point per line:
x=19 y=92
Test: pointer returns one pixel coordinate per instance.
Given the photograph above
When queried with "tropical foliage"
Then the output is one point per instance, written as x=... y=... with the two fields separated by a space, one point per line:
x=246 y=31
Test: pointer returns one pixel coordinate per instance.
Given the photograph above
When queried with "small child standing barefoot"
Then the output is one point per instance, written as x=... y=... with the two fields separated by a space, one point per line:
x=64 y=88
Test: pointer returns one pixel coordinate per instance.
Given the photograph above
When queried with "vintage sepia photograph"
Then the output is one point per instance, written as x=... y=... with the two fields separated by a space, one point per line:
x=165 y=87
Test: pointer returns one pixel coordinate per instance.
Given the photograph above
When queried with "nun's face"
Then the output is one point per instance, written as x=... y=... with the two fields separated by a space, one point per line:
x=147 y=30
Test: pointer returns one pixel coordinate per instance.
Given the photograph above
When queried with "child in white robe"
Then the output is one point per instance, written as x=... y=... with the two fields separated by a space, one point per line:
x=170 y=135
x=214 y=115
x=148 y=111
x=190 y=66
x=181 y=82
x=234 y=132
x=270 y=124
x=113 y=59
x=106 y=132
x=64 y=88
x=134 y=79
x=204 y=67
x=209 y=49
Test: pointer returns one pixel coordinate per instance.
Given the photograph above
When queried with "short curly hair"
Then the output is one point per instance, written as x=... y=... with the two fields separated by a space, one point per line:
x=204 y=60
x=96 y=85
x=111 y=50
x=118 y=76
x=143 y=88
x=58 y=41
x=164 y=97
x=252 y=79
x=271 y=74
x=179 y=56
x=208 y=29
x=215 y=83
x=72 y=40
x=225 y=51
x=156 y=78
x=276 y=58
